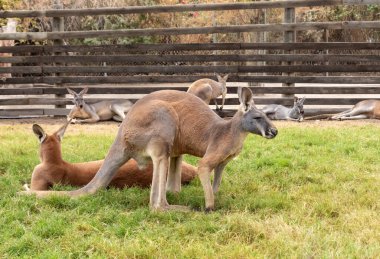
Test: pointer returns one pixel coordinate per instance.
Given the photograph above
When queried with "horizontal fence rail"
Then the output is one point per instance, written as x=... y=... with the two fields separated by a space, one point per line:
x=186 y=31
x=320 y=90
x=183 y=8
x=189 y=69
x=188 y=79
x=228 y=101
x=132 y=48
x=192 y=58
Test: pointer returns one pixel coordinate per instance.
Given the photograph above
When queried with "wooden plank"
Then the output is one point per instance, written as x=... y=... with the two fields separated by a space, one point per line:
x=11 y=113
x=228 y=101
x=308 y=111
x=288 y=101
x=344 y=89
x=161 y=58
x=21 y=112
x=188 y=31
x=180 y=8
x=186 y=69
x=191 y=78
x=57 y=111
x=127 y=48
x=21 y=91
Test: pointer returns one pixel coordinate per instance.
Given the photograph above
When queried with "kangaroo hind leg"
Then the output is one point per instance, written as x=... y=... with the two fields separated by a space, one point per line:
x=119 y=111
x=174 y=176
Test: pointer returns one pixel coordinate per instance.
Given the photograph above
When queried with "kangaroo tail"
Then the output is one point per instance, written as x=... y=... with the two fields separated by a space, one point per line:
x=320 y=117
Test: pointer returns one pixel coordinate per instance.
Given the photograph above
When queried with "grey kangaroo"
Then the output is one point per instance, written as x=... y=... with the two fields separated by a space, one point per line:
x=100 y=111
x=164 y=125
x=279 y=112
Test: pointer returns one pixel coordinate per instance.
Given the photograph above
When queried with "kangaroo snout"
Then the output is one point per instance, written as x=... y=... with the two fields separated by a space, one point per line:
x=271 y=133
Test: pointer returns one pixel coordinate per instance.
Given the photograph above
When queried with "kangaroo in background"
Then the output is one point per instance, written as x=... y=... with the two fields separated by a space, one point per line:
x=208 y=89
x=279 y=112
x=367 y=109
x=163 y=126
x=53 y=169
x=100 y=111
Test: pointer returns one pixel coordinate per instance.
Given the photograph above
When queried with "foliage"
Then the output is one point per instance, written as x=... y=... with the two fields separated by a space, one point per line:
x=199 y=19
x=312 y=192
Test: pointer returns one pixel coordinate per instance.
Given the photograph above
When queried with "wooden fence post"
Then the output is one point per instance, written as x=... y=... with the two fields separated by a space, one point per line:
x=289 y=36
x=58 y=25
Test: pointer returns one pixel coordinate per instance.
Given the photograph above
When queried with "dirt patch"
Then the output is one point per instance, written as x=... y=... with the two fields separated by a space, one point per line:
x=52 y=124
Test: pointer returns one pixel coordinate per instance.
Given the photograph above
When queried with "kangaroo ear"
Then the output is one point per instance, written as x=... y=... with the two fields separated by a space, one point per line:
x=301 y=101
x=219 y=77
x=245 y=98
x=225 y=77
x=61 y=132
x=39 y=132
x=71 y=91
x=84 y=91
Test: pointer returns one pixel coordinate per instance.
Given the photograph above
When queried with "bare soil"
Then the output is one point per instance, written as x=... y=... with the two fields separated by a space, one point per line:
x=51 y=124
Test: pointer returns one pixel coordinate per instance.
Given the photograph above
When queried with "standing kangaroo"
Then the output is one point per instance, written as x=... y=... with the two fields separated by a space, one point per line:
x=53 y=169
x=208 y=89
x=166 y=124
x=101 y=111
x=279 y=112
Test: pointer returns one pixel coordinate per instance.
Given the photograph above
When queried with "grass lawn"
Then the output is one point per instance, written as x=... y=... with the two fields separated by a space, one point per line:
x=313 y=191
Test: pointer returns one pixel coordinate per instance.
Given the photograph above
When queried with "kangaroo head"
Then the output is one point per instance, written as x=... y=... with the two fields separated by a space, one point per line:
x=297 y=110
x=43 y=137
x=223 y=81
x=78 y=97
x=254 y=120
x=77 y=111
x=49 y=144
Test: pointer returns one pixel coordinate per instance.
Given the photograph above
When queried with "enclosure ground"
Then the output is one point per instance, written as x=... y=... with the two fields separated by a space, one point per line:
x=311 y=192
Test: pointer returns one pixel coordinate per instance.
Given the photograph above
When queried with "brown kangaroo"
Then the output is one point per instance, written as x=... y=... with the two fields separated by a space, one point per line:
x=166 y=124
x=208 y=89
x=367 y=109
x=53 y=169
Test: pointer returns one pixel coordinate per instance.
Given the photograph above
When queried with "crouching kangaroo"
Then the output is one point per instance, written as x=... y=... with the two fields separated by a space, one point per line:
x=100 y=111
x=166 y=124
x=53 y=169
x=208 y=89
x=279 y=112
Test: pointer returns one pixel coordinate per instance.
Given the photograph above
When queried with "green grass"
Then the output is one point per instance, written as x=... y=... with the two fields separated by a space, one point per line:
x=310 y=192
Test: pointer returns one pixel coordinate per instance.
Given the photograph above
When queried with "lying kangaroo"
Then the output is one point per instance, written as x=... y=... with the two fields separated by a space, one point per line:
x=53 y=169
x=367 y=109
x=101 y=111
x=208 y=89
x=279 y=112
x=166 y=124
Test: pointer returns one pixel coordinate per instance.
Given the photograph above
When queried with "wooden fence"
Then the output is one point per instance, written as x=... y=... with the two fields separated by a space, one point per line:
x=41 y=73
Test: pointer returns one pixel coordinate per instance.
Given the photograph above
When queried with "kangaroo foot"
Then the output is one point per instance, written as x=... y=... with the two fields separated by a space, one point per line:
x=26 y=187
